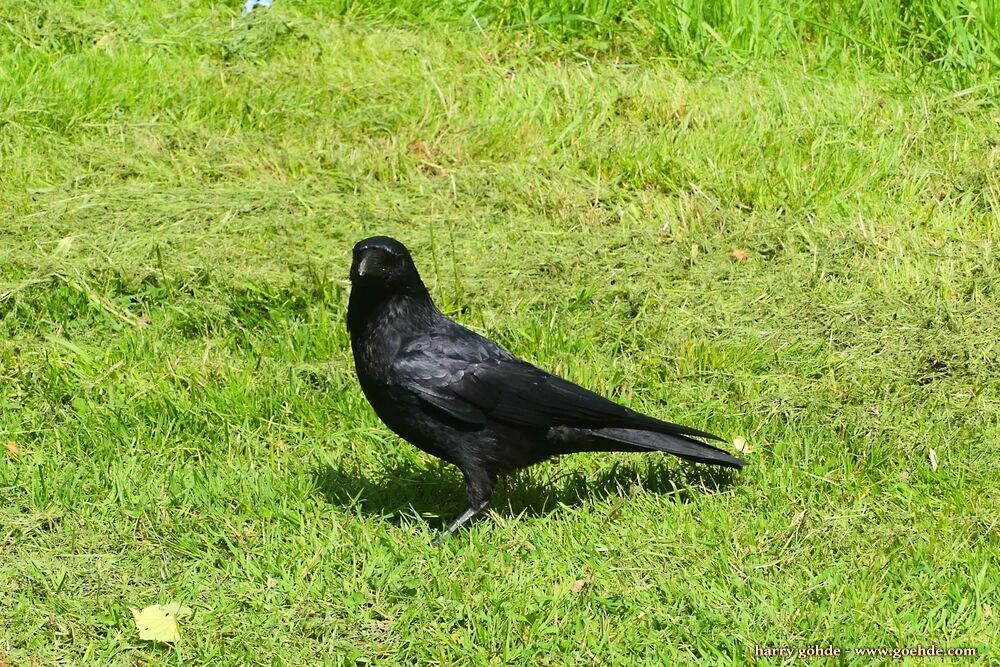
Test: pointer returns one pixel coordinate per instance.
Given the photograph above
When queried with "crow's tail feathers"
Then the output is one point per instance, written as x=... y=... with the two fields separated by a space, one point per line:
x=678 y=444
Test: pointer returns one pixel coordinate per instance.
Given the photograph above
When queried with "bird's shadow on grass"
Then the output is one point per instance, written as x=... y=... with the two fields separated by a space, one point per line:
x=438 y=493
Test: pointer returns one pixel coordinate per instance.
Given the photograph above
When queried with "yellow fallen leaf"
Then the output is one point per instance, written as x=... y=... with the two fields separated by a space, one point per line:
x=797 y=519
x=578 y=585
x=740 y=255
x=106 y=40
x=932 y=455
x=742 y=446
x=12 y=448
x=63 y=247
x=158 y=623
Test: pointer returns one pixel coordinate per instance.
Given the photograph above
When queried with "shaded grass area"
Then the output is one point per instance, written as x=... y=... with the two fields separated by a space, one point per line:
x=956 y=42
x=951 y=40
x=178 y=201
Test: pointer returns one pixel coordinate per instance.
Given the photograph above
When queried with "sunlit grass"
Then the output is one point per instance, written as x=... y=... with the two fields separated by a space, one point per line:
x=179 y=194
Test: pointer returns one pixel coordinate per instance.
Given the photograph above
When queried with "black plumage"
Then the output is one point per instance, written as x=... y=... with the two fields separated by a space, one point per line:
x=468 y=401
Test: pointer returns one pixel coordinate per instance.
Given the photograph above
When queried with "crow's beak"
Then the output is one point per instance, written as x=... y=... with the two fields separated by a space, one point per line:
x=371 y=263
x=366 y=265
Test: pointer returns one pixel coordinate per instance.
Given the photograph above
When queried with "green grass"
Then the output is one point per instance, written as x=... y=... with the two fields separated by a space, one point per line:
x=179 y=193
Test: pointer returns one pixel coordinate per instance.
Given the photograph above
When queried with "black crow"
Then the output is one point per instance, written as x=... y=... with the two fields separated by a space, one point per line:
x=465 y=399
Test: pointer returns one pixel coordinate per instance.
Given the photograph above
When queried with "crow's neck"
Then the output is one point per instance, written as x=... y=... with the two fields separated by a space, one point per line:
x=397 y=315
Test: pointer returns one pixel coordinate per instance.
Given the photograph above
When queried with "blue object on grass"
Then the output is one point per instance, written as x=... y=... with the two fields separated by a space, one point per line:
x=252 y=4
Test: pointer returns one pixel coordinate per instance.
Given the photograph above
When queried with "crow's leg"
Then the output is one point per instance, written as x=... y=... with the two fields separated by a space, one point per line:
x=460 y=521
x=479 y=485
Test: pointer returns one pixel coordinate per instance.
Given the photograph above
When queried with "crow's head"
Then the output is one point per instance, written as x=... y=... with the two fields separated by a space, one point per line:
x=384 y=264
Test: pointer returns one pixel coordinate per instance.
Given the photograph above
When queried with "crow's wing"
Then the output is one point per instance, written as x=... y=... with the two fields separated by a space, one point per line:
x=474 y=380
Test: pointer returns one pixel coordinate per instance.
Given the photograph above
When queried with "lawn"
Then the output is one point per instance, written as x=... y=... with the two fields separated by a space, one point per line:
x=776 y=225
